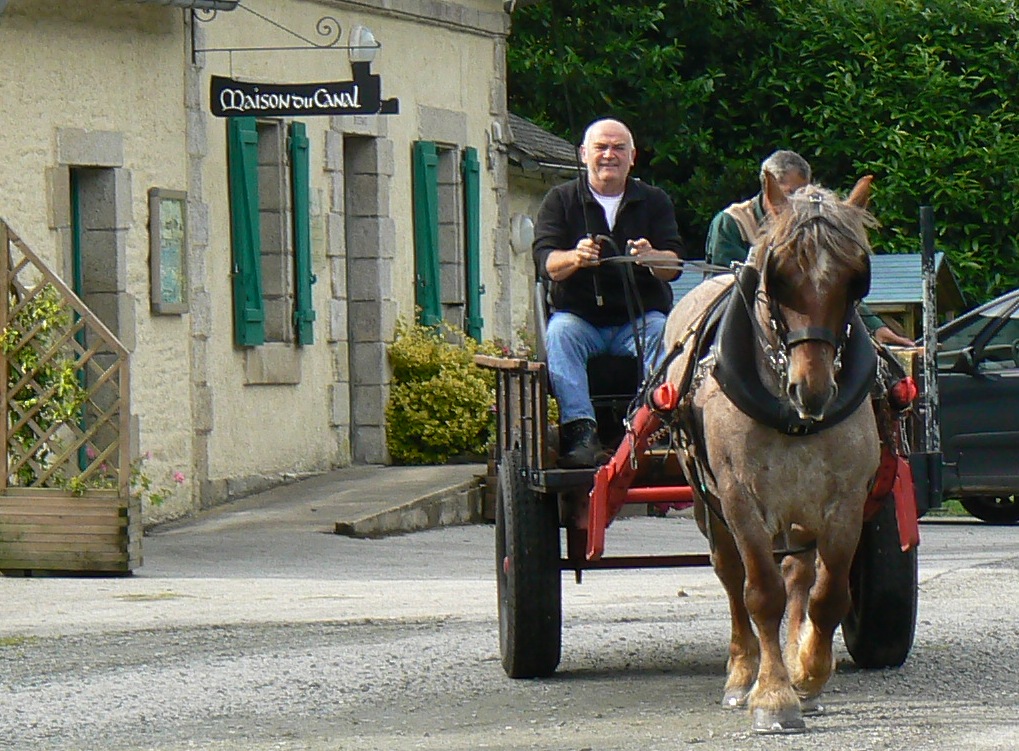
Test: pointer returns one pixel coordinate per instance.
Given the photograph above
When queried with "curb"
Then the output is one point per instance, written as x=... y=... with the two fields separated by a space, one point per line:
x=458 y=504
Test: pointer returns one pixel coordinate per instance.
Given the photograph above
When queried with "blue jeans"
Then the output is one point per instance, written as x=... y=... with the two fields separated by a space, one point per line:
x=570 y=342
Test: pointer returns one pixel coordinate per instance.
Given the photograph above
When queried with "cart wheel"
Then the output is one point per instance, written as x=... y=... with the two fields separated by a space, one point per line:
x=878 y=630
x=528 y=574
x=993 y=509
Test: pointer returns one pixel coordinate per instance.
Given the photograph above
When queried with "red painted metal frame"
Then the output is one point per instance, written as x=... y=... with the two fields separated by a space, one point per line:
x=612 y=481
x=679 y=560
x=612 y=489
x=905 y=506
x=895 y=477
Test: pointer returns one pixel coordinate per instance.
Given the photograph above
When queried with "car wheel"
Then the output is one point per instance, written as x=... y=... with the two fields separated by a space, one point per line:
x=993 y=509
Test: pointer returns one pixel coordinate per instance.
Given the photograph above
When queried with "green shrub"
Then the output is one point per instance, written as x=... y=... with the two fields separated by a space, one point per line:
x=440 y=402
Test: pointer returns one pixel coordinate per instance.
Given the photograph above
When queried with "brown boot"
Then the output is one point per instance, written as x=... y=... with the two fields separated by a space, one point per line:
x=579 y=444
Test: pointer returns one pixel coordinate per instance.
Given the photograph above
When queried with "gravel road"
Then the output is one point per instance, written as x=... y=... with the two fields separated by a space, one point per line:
x=220 y=642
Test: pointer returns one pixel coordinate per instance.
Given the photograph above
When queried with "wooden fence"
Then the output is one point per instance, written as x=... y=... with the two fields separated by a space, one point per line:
x=66 y=500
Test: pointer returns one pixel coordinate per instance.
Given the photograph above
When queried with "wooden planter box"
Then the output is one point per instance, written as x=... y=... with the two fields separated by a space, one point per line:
x=54 y=531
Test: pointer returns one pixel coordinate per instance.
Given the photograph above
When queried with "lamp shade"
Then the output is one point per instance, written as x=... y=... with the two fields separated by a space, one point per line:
x=363 y=45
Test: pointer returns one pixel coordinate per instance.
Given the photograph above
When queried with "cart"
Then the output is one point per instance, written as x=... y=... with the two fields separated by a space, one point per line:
x=538 y=505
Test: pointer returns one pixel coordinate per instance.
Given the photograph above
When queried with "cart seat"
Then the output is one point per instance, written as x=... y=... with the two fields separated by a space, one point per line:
x=614 y=380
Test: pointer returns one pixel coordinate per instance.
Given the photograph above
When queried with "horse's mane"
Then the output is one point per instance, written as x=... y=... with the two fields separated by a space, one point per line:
x=818 y=232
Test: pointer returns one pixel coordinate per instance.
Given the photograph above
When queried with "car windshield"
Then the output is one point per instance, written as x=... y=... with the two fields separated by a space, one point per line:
x=1000 y=350
x=999 y=308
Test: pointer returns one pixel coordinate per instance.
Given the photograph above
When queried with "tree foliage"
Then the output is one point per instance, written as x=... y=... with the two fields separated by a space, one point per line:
x=917 y=92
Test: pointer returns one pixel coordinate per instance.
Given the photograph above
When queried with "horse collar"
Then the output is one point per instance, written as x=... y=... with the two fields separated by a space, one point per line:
x=737 y=341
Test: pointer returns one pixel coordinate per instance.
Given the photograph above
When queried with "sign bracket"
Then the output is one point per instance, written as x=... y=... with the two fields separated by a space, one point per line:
x=327 y=28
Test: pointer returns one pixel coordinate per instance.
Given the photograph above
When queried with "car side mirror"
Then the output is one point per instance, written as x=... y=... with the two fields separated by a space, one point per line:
x=965 y=362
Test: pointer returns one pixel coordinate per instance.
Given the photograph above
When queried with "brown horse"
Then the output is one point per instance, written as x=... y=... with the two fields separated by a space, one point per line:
x=780 y=443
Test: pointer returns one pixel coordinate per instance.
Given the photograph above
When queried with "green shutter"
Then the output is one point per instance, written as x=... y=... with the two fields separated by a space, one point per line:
x=304 y=313
x=426 y=232
x=472 y=220
x=249 y=315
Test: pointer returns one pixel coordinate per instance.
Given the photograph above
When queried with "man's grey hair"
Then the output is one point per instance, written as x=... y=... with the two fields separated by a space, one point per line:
x=624 y=126
x=783 y=163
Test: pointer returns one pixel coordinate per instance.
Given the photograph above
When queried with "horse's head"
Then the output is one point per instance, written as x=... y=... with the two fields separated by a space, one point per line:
x=814 y=264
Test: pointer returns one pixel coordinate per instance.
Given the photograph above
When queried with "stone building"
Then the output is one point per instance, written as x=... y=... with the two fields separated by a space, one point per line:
x=250 y=195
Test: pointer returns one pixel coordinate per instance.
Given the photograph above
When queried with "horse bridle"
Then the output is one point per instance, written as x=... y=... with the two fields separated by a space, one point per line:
x=778 y=356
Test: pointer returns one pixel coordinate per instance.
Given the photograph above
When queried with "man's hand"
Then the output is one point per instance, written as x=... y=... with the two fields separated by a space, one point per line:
x=661 y=263
x=587 y=253
x=886 y=336
x=561 y=264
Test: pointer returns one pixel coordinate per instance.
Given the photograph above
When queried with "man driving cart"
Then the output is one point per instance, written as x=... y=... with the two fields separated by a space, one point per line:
x=585 y=232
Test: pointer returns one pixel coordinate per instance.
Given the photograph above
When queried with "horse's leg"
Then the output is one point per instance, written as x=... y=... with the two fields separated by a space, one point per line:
x=799 y=573
x=744 y=651
x=828 y=604
x=773 y=703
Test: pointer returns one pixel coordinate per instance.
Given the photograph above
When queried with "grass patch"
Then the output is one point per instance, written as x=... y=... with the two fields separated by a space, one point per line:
x=14 y=641
x=949 y=507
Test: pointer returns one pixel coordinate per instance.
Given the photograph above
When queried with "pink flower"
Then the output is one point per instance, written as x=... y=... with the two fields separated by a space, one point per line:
x=90 y=452
x=178 y=477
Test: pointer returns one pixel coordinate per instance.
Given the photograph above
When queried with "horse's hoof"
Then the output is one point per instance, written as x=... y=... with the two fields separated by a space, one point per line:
x=778 y=723
x=811 y=707
x=735 y=698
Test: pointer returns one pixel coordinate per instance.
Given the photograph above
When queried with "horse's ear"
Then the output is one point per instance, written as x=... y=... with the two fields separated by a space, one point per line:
x=774 y=196
x=861 y=192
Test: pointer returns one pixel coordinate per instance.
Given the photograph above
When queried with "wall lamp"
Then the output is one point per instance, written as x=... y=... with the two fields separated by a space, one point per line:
x=363 y=45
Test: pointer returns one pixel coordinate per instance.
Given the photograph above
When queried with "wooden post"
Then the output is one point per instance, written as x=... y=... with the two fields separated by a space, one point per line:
x=5 y=304
x=931 y=402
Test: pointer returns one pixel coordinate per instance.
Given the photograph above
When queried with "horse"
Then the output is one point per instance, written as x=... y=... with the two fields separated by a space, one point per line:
x=779 y=441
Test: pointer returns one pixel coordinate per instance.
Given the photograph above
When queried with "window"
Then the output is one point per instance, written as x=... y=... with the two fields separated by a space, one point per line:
x=447 y=236
x=270 y=217
x=998 y=352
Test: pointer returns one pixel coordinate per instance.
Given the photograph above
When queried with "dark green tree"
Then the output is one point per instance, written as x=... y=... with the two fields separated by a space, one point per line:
x=917 y=92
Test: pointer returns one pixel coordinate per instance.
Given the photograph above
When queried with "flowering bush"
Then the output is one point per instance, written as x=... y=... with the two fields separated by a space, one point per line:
x=54 y=439
x=140 y=482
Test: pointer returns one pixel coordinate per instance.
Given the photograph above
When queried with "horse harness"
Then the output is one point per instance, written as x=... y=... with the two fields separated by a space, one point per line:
x=724 y=341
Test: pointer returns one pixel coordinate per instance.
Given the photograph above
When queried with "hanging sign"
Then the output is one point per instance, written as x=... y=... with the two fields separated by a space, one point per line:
x=360 y=96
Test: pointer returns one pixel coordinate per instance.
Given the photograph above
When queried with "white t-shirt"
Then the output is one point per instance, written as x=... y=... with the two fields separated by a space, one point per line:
x=610 y=204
